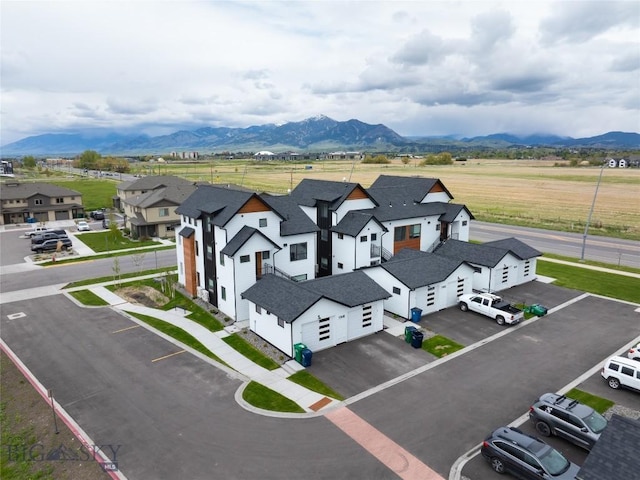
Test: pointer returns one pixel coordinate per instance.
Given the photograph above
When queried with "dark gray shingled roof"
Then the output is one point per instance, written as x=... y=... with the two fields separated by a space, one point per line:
x=396 y=189
x=308 y=191
x=19 y=191
x=288 y=300
x=295 y=221
x=186 y=232
x=223 y=202
x=452 y=210
x=152 y=182
x=418 y=269
x=174 y=194
x=475 y=253
x=517 y=247
x=241 y=238
x=385 y=213
x=354 y=221
x=615 y=454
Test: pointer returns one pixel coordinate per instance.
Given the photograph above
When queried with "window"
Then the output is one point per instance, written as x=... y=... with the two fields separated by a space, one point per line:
x=627 y=371
x=299 y=278
x=396 y=291
x=324 y=262
x=59 y=200
x=415 y=231
x=208 y=223
x=298 y=251
x=614 y=366
x=324 y=235
x=464 y=223
x=38 y=201
x=374 y=237
x=198 y=279
x=197 y=249
x=437 y=227
x=223 y=293
x=258 y=309
x=266 y=254
x=340 y=236
x=163 y=212
x=262 y=222
x=363 y=238
x=209 y=252
x=222 y=255
x=400 y=234
x=323 y=210
x=340 y=266
x=245 y=259
x=280 y=323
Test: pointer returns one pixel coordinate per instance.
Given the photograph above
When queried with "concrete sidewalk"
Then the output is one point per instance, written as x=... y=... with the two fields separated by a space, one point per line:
x=591 y=267
x=276 y=380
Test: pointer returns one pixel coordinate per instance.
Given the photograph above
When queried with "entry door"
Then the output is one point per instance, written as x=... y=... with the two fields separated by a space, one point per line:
x=258 y=265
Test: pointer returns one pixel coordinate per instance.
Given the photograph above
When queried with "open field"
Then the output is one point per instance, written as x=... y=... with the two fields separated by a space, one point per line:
x=519 y=192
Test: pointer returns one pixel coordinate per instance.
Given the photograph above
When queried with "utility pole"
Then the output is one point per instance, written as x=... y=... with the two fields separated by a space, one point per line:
x=593 y=204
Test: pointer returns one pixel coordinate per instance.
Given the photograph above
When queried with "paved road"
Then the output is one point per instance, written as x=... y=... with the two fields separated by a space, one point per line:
x=602 y=249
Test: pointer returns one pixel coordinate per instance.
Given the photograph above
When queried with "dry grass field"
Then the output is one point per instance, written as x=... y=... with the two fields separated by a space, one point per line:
x=522 y=192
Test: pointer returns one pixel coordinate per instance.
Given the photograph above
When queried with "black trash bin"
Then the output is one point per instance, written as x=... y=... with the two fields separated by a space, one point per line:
x=408 y=330
x=416 y=339
x=306 y=357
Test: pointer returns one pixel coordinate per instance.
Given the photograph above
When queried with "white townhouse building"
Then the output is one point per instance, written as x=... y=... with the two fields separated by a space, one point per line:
x=499 y=264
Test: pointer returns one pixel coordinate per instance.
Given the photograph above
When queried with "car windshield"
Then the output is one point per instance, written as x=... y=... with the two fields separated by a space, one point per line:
x=595 y=422
x=553 y=462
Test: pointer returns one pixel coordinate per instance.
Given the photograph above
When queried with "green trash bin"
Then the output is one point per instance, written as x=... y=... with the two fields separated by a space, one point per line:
x=538 y=310
x=408 y=333
x=297 y=349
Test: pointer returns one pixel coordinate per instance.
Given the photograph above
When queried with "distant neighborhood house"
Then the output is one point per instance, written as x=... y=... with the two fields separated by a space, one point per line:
x=38 y=202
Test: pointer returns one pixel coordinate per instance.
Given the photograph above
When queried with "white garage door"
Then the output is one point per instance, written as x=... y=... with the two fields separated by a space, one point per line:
x=317 y=335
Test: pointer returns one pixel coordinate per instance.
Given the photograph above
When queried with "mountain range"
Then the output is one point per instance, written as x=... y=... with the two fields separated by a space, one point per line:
x=316 y=134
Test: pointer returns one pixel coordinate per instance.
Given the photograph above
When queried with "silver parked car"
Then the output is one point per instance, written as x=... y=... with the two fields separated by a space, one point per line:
x=564 y=417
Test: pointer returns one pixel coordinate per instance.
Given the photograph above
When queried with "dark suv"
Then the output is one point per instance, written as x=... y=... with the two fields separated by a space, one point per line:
x=51 y=245
x=555 y=414
x=52 y=235
x=510 y=450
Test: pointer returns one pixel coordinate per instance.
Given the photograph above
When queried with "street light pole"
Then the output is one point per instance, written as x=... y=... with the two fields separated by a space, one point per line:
x=593 y=204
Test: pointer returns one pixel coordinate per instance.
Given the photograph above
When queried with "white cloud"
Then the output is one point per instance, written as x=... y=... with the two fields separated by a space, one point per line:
x=421 y=68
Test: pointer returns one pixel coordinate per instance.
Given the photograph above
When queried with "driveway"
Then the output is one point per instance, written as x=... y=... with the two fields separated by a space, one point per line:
x=354 y=367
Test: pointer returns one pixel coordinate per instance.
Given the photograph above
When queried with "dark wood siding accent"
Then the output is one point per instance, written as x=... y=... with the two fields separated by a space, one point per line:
x=190 y=279
x=254 y=204
x=357 y=194
x=408 y=243
x=437 y=187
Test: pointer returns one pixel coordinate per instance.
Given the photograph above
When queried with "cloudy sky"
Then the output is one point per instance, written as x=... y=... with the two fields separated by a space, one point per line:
x=421 y=67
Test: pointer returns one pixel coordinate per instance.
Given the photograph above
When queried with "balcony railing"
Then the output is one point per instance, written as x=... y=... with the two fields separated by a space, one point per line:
x=375 y=251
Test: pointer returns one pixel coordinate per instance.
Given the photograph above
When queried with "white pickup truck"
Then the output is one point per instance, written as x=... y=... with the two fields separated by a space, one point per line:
x=492 y=306
x=37 y=231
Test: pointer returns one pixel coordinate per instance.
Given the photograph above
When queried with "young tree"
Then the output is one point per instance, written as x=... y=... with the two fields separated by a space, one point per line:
x=89 y=159
x=29 y=162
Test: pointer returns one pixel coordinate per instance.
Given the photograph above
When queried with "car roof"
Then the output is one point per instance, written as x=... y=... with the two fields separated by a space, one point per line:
x=565 y=403
x=518 y=437
x=627 y=361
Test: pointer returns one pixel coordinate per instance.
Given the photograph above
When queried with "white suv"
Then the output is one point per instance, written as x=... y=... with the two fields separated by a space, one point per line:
x=622 y=372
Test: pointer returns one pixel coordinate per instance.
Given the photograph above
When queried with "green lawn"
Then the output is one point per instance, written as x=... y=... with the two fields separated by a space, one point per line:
x=599 y=404
x=262 y=397
x=593 y=281
x=109 y=240
x=249 y=351
x=307 y=380
x=440 y=346
x=95 y=193
x=88 y=298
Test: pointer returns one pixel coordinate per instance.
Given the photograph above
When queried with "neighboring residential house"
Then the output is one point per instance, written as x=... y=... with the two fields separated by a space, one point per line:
x=229 y=238
x=617 y=163
x=422 y=280
x=500 y=264
x=615 y=454
x=43 y=201
x=149 y=204
x=320 y=313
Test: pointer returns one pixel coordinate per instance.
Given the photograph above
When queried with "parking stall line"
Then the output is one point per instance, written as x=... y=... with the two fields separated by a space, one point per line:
x=392 y=455
x=167 y=356
x=127 y=328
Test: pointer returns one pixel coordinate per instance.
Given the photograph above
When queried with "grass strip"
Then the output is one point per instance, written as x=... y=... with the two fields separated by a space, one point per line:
x=440 y=346
x=177 y=333
x=249 y=351
x=262 y=397
x=593 y=281
x=123 y=276
x=101 y=256
x=87 y=297
x=307 y=380
x=623 y=268
x=599 y=404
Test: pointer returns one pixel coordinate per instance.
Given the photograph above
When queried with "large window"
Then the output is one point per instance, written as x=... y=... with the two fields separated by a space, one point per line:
x=163 y=212
x=400 y=234
x=414 y=231
x=245 y=258
x=262 y=222
x=298 y=251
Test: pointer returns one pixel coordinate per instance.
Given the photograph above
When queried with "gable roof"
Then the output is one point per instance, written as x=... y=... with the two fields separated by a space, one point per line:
x=221 y=202
x=295 y=221
x=415 y=268
x=309 y=191
x=401 y=211
x=515 y=246
x=19 y=191
x=153 y=182
x=174 y=194
x=452 y=210
x=288 y=300
x=354 y=221
x=615 y=454
x=476 y=253
x=396 y=189
x=186 y=232
x=241 y=238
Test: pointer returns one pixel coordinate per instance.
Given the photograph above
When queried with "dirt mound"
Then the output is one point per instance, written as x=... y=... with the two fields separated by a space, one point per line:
x=147 y=296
